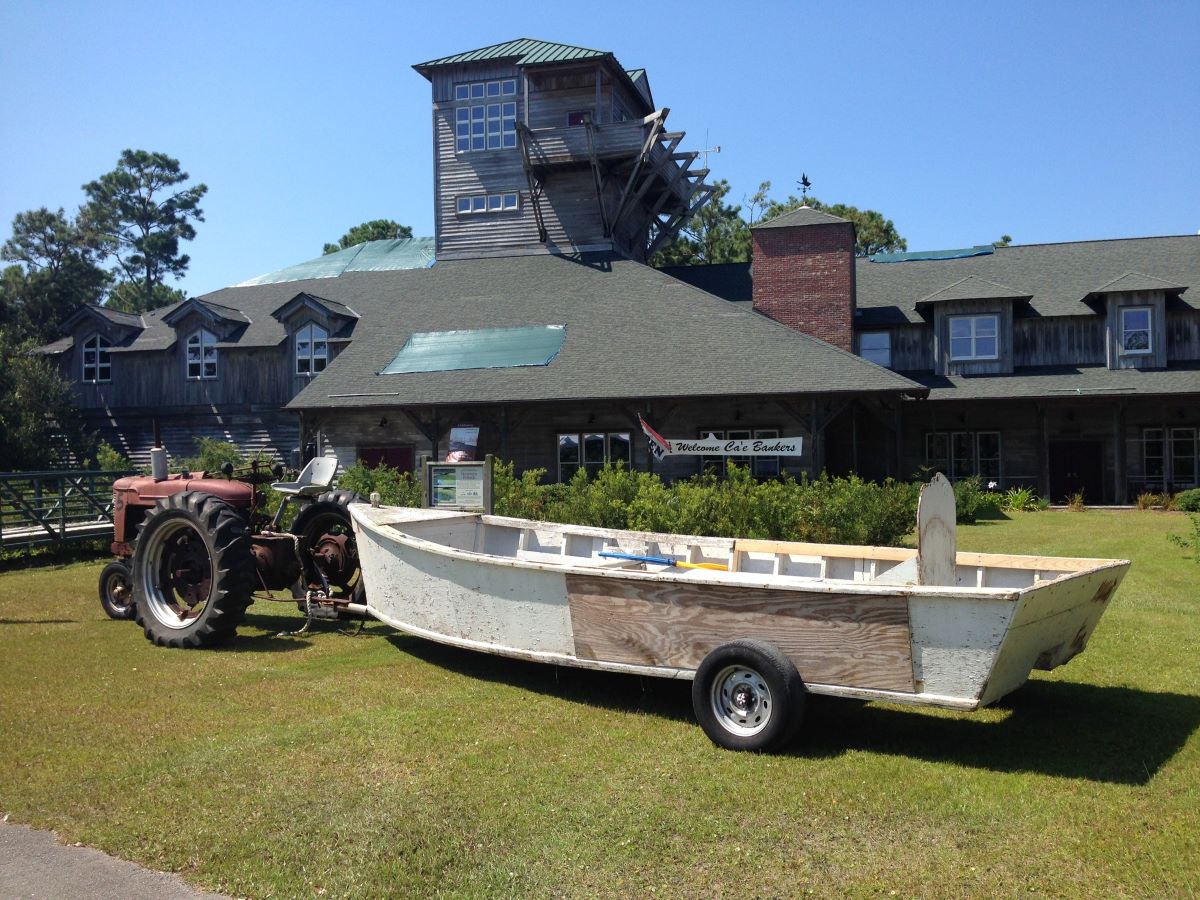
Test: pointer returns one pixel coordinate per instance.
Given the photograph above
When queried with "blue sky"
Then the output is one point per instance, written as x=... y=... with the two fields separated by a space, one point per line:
x=959 y=121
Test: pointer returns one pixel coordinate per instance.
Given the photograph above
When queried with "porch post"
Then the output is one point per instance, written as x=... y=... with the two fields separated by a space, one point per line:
x=1043 y=453
x=1120 y=464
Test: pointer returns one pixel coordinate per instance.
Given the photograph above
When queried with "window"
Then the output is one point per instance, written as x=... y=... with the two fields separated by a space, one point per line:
x=761 y=466
x=1135 y=330
x=578 y=117
x=591 y=451
x=312 y=351
x=96 y=367
x=479 y=203
x=491 y=123
x=961 y=454
x=202 y=355
x=876 y=347
x=1176 y=446
x=619 y=112
x=973 y=337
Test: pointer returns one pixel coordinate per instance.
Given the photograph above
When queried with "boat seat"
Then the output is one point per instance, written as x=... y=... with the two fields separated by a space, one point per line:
x=313 y=479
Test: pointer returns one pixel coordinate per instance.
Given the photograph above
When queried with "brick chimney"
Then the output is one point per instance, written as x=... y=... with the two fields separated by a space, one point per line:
x=804 y=274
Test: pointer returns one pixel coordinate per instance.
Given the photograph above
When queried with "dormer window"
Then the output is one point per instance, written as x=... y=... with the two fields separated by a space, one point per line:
x=96 y=367
x=202 y=355
x=974 y=337
x=488 y=121
x=312 y=350
x=1135 y=330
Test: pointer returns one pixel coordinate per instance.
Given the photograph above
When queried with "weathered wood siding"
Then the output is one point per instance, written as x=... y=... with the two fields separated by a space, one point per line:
x=912 y=347
x=1183 y=335
x=1157 y=357
x=1060 y=340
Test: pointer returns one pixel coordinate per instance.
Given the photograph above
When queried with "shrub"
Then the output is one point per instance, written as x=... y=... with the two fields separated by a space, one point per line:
x=1189 y=542
x=110 y=460
x=1075 y=502
x=1188 y=501
x=1023 y=499
x=395 y=488
x=1148 y=500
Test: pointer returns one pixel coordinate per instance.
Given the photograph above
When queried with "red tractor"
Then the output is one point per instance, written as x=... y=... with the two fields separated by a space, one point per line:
x=195 y=549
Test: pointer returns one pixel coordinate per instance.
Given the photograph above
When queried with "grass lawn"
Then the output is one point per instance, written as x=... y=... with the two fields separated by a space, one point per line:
x=384 y=765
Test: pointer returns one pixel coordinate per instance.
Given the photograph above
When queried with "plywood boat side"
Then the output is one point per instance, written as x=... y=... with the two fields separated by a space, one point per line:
x=852 y=619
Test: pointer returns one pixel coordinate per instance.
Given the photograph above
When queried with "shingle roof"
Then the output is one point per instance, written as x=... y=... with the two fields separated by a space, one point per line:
x=524 y=51
x=973 y=288
x=632 y=331
x=805 y=215
x=1136 y=281
x=730 y=281
x=1058 y=277
x=1063 y=381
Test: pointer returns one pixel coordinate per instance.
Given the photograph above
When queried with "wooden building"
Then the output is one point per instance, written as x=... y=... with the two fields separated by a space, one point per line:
x=1065 y=367
x=531 y=314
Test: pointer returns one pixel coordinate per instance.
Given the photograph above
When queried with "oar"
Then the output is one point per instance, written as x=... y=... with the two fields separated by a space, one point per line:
x=665 y=561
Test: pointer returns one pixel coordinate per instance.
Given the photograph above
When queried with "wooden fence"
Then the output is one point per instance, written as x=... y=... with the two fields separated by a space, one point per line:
x=38 y=508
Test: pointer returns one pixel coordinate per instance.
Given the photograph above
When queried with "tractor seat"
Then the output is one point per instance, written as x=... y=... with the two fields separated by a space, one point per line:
x=315 y=477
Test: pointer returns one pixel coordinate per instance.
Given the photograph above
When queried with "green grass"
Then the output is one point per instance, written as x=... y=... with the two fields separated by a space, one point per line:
x=384 y=765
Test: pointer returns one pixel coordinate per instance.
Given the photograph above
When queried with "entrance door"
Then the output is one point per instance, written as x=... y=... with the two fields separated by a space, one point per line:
x=1077 y=466
x=395 y=457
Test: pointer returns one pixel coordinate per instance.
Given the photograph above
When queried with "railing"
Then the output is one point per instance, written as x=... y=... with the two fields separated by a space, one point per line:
x=38 y=508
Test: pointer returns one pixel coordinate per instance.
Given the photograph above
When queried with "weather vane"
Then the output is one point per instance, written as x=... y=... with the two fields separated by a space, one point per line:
x=804 y=184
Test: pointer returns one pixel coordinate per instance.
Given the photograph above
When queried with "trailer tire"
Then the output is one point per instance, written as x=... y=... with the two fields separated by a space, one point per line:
x=327 y=539
x=116 y=590
x=748 y=696
x=193 y=572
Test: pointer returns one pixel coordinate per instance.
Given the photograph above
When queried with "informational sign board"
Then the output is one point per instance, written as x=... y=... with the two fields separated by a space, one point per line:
x=466 y=486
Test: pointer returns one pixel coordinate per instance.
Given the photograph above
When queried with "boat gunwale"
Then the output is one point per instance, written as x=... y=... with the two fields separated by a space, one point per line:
x=814 y=585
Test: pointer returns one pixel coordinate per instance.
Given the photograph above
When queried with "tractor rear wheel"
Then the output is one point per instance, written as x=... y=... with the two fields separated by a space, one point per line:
x=327 y=547
x=193 y=572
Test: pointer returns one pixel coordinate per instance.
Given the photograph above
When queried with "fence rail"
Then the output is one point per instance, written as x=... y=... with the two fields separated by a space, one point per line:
x=38 y=508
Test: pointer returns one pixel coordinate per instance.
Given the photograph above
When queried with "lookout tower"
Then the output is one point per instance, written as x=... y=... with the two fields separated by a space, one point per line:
x=542 y=147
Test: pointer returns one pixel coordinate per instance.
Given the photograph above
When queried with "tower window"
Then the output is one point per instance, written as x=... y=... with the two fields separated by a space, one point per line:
x=490 y=123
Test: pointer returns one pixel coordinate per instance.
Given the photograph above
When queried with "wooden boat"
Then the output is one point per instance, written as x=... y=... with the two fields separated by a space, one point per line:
x=761 y=625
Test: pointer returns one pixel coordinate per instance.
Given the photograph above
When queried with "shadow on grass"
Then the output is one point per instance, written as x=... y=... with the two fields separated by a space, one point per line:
x=38 y=621
x=1105 y=734
x=665 y=697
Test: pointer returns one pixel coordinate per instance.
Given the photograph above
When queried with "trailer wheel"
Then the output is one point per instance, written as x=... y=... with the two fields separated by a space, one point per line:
x=748 y=696
x=116 y=590
x=327 y=546
x=193 y=572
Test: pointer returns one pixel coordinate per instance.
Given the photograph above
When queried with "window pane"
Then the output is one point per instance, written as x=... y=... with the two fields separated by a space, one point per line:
x=962 y=461
x=593 y=448
x=960 y=348
x=302 y=365
x=477 y=143
x=510 y=201
x=464 y=144
x=493 y=142
x=477 y=203
x=985 y=346
x=1136 y=318
x=568 y=448
x=510 y=140
x=618 y=448
x=510 y=110
x=476 y=113
x=493 y=89
x=985 y=326
x=509 y=86
x=494 y=201
x=461 y=91
x=960 y=327
x=477 y=90
x=105 y=373
x=462 y=114
x=874 y=340
x=464 y=204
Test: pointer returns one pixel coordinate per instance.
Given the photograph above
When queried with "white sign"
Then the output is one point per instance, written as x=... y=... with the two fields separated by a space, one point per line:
x=714 y=446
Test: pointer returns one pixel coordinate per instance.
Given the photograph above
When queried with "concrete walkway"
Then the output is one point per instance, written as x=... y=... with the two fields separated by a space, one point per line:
x=34 y=865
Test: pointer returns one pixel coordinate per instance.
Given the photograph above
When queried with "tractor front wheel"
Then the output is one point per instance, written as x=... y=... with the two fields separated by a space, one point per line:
x=116 y=590
x=193 y=572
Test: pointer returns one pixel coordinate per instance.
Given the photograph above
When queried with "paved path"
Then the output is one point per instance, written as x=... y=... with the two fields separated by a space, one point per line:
x=34 y=866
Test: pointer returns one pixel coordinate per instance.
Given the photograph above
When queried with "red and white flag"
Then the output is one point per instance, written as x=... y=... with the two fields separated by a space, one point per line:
x=659 y=446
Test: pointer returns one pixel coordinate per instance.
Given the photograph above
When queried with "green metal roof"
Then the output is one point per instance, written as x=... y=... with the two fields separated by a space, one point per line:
x=917 y=255
x=481 y=348
x=372 y=256
x=525 y=51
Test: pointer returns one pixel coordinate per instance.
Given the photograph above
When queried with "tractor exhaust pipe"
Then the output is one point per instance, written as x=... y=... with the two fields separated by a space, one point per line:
x=158 y=457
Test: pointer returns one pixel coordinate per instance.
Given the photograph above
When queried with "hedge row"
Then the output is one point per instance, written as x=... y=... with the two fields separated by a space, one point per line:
x=827 y=510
